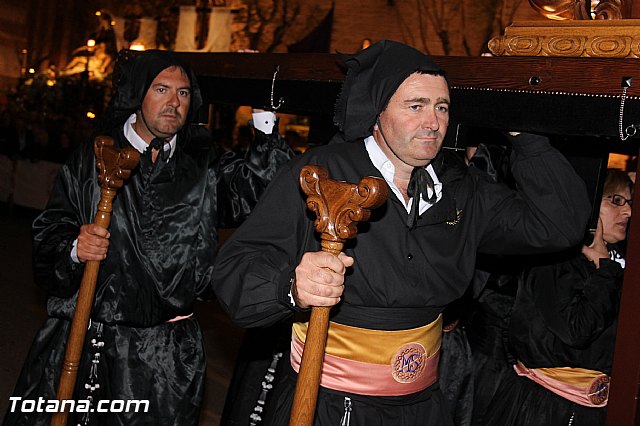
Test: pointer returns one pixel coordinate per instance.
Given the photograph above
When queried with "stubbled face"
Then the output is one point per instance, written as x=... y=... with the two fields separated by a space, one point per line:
x=166 y=104
x=415 y=121
x=615 y=218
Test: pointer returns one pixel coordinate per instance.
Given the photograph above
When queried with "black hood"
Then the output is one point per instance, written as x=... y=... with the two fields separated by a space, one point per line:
x=374 y=74
x=135 y=71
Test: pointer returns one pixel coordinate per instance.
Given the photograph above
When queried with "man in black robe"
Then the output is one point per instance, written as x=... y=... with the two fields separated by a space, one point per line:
x=143 y=342
x=414 y=256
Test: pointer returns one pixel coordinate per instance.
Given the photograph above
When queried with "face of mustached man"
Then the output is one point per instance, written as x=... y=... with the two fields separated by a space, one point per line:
x=166 y=104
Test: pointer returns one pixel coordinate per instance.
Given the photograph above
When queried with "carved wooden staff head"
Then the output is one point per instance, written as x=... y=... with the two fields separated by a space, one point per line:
x=339 y=206
x=114 y=165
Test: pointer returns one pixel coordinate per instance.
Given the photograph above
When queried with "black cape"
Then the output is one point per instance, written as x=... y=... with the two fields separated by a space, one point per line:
x=162 y=248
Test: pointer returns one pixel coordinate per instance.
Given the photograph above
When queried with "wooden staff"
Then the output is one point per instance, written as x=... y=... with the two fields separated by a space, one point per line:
x=338 y=207
x=114 y=166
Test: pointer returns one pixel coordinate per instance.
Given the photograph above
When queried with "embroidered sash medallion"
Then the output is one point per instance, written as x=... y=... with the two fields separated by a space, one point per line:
x=599 y=390
x=407 y=365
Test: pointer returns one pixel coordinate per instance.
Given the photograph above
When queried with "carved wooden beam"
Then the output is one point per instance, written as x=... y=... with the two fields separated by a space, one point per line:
x=222 y=75
x=572 y=96
x=599 y=38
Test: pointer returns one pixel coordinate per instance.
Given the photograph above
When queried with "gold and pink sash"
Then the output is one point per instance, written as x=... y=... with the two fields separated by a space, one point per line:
x=375 y=362
x=585 y=387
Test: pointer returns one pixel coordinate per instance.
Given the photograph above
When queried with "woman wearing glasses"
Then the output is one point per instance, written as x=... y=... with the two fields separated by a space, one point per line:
x=562 y=330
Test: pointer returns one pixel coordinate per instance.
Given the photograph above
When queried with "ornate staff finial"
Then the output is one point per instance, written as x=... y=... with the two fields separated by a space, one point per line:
x=339 y=206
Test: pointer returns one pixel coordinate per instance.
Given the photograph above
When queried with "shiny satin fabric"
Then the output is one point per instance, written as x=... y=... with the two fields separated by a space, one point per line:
x=163 y=239
x=374 y=346
x=582 y=386
x=163 y=231
x=375 y=362
x=133 y=366
x=162 y=248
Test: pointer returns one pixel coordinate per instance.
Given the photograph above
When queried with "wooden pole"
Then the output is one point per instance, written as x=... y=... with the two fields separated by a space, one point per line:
x=115 y=166
x=338 y=207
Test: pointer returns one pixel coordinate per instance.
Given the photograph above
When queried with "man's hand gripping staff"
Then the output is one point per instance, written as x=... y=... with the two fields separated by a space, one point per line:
x=338 y=207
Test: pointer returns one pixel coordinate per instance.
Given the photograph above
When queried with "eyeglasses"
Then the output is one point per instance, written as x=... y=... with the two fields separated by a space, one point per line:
x=619 y=200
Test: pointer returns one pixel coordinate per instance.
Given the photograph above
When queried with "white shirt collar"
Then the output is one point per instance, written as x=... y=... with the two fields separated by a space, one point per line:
x=388 y=170
x=138 y=143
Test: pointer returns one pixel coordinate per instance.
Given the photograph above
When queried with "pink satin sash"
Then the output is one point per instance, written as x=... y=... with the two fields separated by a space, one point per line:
x=357 y=361
x=180 y=317
x=585 y=387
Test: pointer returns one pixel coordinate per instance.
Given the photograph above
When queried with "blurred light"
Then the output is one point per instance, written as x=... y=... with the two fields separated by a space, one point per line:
x=91 y=43
x=23 y=51
x=98 y=13
x=137 y=45
x=51 y=83
x=90 y=115
x=32 y=71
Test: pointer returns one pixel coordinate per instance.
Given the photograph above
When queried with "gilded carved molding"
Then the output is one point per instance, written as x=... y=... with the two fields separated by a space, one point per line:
x=600 y=38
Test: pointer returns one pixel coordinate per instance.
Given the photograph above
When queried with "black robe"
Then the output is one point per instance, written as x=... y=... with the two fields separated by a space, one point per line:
x=402 y=278
x=162 y=247
x=564 y=316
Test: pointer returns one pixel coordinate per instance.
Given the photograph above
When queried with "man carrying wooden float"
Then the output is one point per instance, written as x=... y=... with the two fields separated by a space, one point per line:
x=414 y=256
x=143 y=343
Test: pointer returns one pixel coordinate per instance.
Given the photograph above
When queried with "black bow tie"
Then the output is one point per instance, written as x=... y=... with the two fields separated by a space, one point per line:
x=419 y=182
x=158 y=143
